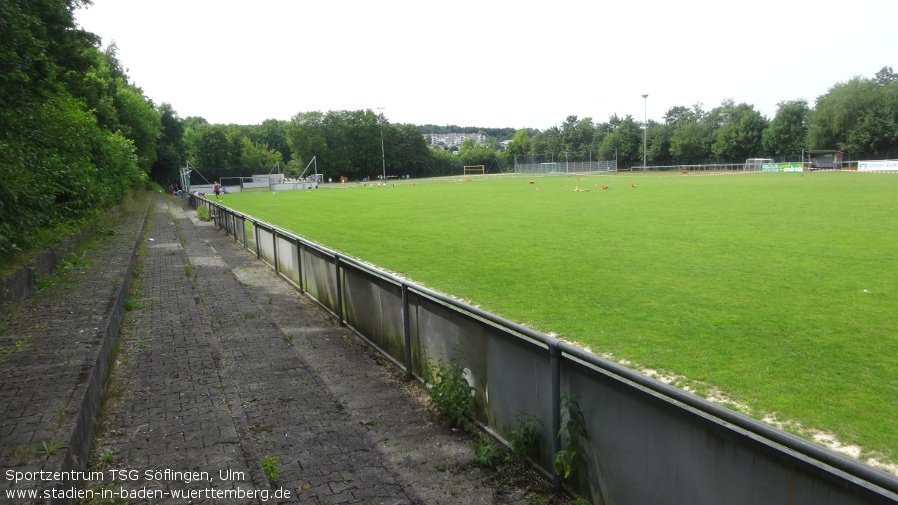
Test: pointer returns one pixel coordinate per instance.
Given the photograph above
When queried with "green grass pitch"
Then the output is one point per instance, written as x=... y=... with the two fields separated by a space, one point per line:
x=777 y=290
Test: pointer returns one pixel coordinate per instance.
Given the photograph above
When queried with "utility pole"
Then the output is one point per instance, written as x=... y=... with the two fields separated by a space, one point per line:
x=645 y=128
x=383 y=156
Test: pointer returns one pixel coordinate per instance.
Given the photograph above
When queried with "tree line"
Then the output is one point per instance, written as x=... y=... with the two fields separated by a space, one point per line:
x=76 y=135
x=858 y=117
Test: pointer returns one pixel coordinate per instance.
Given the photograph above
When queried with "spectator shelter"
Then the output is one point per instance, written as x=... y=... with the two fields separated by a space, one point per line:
x=825 y=159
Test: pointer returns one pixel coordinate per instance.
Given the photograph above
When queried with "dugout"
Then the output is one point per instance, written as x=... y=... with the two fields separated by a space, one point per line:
x=830 y=159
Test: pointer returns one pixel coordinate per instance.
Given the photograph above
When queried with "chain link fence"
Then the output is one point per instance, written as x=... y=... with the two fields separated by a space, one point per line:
x=565 y=163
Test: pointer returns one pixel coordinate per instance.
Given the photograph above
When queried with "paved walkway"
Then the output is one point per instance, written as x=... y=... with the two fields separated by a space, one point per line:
x=223 y=369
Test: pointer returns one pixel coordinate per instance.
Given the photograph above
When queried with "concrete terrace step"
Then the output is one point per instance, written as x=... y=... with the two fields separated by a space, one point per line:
x=53 y=363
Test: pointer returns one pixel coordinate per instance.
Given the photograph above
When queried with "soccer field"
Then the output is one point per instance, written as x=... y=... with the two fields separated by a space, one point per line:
x=776 y=291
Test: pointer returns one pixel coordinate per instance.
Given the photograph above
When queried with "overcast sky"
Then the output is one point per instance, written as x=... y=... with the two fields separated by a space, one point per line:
x=489 y=63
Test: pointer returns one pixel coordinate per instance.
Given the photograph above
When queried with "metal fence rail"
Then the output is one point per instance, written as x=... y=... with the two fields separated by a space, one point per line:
x=647 y=442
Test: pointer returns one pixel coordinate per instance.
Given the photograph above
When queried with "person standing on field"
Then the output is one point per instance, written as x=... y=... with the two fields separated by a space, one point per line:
x=217 y=189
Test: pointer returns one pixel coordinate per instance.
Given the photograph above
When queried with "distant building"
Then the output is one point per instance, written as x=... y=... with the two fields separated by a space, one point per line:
x=826 y=159
x=447 y=140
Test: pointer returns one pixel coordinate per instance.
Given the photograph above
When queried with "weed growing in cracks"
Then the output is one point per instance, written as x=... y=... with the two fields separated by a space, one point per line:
x=450 y=393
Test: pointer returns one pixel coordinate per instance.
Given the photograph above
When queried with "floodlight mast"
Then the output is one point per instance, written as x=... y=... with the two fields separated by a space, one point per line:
x=383 y=156
x=645 y=128
x=185 y=176
x=314 y=163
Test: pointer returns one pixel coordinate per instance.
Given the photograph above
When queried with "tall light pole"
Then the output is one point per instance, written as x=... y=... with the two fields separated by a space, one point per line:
x=645 y=128
x=383 y=156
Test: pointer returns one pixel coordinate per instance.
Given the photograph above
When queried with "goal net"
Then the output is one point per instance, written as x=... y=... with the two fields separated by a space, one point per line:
x=474 y=169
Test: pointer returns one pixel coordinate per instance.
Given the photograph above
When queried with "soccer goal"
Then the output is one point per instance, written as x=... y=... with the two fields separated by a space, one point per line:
x=474 y=169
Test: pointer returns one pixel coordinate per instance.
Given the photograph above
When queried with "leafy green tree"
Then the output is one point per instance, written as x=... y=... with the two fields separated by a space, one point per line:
x=787 y=132
x=305 y=135
x=576 y=137
x=210 y=149
x=408 y=153
x=859 y=116
x=170 y=149
x=258 y=157
x=739 y=135
x=98 y=86
x=65 y=153
x=117 y=104
x=658 y=140
x=548 y=141
x=680 y=115
x=357 y=144
x=466 y=145
x=885 y=76
x=520 y=145
x=272 y=133
x=476 y=154
x=690 y=143
x=40 y=45
x=691 y=139
x=623 y=139
x=139 y=122
x=194 y=122
x=443 y=162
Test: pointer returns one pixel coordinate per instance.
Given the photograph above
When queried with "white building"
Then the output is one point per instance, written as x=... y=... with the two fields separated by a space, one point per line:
x=453 y=139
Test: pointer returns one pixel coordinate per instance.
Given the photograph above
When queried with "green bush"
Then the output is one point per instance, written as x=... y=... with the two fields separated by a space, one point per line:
x=487 y=453
x=202 y=212
x=450 y=393
x=574 y=426
x=524 y=439
x=59 y=168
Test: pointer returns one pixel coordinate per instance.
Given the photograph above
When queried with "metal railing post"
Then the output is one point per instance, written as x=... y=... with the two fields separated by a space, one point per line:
x=298 y=258
x=274 y=245
x=555 y=393
x=406 y=333
x=339 y=290
x=243 y=233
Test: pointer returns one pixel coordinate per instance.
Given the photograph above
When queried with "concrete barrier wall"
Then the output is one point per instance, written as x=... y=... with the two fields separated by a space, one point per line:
x=373 y=307
x=645 y=447
x=646 y=442
x=265 y=244
x=287 y=259
x=20 y=285
x=290 y=186
x=319 y=277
